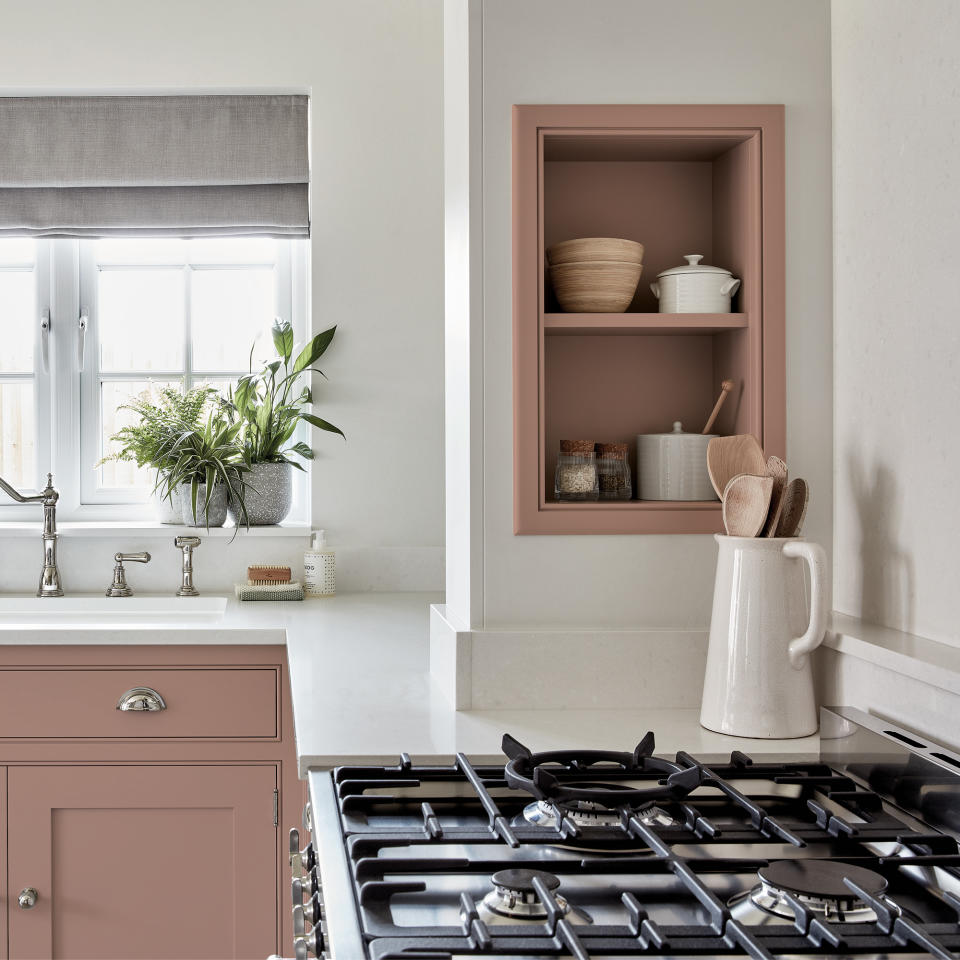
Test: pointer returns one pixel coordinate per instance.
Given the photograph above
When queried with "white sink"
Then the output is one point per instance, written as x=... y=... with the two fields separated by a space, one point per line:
x=139 y=608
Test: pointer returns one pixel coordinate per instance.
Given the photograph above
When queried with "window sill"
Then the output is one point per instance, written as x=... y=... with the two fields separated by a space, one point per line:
x=147 y=529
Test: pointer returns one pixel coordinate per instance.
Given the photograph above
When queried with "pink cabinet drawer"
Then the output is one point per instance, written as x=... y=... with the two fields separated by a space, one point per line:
x=198 y=703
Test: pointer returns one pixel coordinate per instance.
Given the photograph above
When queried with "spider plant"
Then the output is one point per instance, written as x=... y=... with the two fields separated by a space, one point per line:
x=206 y=455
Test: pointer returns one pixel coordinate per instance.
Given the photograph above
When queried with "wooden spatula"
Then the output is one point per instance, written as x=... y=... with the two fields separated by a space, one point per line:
x=794 y=509
x=776 y=469
x=728 y=457
x=746 y=502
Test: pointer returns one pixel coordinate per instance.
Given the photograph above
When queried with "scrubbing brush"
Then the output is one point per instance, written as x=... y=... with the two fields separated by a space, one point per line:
x=261 y=574
x=269 y=591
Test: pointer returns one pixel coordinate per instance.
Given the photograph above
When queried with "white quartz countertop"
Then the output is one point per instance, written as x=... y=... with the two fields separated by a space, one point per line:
x=362 y=691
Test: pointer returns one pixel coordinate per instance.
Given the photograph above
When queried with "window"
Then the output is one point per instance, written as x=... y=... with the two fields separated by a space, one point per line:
x=130 y=317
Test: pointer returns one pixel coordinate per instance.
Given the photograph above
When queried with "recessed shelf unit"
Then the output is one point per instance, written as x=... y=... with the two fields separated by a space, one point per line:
x=680 y=180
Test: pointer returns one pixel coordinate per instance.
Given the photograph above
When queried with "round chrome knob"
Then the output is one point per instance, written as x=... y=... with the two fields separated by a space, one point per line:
x=27 y=898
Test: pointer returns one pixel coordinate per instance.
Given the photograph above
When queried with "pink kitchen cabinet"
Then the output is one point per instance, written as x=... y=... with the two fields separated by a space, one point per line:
x=681 y=180
x=158 y=861
x=146 y=835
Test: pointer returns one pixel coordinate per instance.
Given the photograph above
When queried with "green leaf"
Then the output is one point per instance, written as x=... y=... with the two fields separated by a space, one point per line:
x=282 y=332
x=314 y=349
x=303 y=449
x=321 y=424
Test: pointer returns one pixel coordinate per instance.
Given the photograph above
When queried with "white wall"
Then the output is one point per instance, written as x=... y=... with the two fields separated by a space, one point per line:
x=896 y=96
x=373 y=68
x=650 y=51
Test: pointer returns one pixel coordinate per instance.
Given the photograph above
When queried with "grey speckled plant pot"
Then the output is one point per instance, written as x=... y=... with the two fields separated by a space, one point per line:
x=217 y=514
x=168 y=510
x=268 y=496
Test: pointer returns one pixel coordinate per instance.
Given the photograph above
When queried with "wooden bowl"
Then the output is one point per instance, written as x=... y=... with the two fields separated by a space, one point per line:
x=597 y=286
x=595 y=248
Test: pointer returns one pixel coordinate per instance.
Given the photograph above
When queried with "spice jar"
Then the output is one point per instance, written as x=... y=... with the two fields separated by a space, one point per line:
x=613 y=472
x=576 y=477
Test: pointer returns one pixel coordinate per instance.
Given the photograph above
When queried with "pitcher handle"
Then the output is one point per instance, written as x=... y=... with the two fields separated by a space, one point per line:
x=801 y=647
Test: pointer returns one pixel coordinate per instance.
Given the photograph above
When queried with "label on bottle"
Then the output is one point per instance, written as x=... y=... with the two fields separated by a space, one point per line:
x=319 y=574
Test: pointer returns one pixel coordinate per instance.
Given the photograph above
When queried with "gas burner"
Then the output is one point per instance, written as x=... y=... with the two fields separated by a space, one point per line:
x=514 y=899
x=584 y=813
x=817 y=884
x=529 y=771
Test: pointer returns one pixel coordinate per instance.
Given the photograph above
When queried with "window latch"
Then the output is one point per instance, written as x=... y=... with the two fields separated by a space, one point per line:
x=81 y=338
x=45 y=340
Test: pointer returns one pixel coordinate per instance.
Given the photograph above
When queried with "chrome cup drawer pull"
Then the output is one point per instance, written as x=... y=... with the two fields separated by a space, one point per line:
x=141 y=699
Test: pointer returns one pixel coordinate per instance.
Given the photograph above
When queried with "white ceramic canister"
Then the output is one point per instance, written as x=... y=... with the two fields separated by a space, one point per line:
x=758 y=681
x=673 y=466
x=694 y=287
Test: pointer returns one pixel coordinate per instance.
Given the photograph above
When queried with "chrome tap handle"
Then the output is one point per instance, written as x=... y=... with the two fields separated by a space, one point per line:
x=187 y=545
x=119 y=587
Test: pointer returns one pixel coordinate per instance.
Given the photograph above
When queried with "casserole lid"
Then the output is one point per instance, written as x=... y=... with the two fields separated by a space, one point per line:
x=678 y=432
x=693 y=265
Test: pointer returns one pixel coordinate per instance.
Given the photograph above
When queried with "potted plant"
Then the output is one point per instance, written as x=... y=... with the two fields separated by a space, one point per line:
x=161 y=419
x=207 y=470
x=269 y=405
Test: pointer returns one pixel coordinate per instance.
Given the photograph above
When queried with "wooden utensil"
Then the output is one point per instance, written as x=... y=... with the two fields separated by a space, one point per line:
x=794 y=510
x=776 y=469
x=746 y=502
x=725 y=388
x=728 y=457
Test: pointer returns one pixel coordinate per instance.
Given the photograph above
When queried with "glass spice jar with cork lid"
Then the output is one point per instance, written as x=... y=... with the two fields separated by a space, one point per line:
x=576 y=476
x=613 y=472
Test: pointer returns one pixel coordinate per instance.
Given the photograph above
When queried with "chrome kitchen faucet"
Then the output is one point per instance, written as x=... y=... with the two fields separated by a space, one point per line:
x=48 y=497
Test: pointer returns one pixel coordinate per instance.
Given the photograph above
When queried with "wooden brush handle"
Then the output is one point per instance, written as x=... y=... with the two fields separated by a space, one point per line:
x=725 y=388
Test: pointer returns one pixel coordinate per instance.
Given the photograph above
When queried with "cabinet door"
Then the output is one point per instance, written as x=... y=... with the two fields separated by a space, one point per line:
x=143 y=862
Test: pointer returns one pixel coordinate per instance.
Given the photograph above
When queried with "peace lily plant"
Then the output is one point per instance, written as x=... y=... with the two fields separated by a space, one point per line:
x=270 y=405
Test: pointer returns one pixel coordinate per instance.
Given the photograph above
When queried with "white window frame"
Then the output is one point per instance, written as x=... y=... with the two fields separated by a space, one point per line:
x=40 y=375
x=67 y=435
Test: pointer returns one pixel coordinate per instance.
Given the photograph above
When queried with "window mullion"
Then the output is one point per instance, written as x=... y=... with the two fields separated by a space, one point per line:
x=187 y=326
x=65 y=410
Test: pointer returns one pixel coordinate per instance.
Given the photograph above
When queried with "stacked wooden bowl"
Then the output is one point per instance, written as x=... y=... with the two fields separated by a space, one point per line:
x=595 y=274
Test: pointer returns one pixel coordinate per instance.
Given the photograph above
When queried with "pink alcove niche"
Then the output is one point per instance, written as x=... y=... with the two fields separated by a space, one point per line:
x=680 y=180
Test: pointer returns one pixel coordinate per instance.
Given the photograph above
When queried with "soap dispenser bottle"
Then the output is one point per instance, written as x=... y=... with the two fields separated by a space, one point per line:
x=319 y=568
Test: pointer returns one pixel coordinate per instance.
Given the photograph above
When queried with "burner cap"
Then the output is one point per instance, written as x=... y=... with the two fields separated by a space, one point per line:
x=522 y=880
x=513 y=899
x=820 y=878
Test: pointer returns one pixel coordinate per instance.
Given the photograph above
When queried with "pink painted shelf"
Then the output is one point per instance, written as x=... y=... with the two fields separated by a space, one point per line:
x=639 y=324
x=678 y=179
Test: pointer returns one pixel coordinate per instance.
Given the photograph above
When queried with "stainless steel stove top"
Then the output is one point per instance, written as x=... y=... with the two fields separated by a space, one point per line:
x=617 y=855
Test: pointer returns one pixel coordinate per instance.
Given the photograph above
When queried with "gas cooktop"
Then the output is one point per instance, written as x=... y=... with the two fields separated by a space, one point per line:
x=625 y=854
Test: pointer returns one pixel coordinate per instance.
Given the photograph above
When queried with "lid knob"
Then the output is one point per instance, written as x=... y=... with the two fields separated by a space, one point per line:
x=693 y=258
x=677 y=426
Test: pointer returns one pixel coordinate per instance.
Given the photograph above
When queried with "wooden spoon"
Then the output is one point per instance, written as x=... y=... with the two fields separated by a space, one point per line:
x=725 y=388
x=794 y=510
x=777 y=469
x=728 y=457
x=746 y=502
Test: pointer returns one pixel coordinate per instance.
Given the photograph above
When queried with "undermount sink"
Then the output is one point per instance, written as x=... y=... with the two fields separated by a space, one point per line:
x=140 y=608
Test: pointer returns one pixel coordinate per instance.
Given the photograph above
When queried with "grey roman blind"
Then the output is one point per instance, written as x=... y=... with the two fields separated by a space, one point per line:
x=154 y=166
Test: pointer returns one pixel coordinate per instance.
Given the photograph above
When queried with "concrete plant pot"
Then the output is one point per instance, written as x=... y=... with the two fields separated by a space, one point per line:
x=268 y=495
x=216 y=516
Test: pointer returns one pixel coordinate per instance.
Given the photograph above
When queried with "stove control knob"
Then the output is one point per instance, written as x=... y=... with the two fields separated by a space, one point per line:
x=300 y=860
x=309 y=946
x=299 y=922
x=312 y=910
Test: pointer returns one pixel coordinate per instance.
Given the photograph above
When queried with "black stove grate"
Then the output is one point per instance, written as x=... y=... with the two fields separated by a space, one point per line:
x=823 y=807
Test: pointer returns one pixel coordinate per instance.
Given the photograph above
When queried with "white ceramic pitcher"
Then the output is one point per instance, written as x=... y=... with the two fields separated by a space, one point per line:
x=758 y=681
